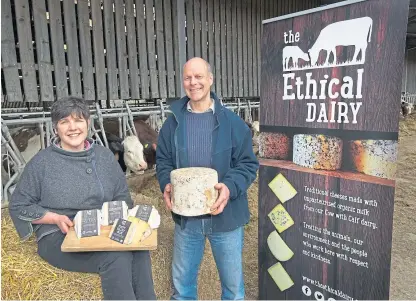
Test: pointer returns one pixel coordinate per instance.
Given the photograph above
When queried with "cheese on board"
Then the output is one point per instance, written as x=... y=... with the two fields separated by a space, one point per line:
x=280 y=276
x=278 y=247
x=274 y=145
x=317 y=151
x=280 y=218
x=147 y=213
x=112 y=211
x=143 y=229
x=87 y=223
x=123 y=231
x=374 y=157
x=193 y=191
x=282 y=188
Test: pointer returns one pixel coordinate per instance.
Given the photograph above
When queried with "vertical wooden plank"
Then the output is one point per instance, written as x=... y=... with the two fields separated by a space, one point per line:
x=121 y=49
x=110 y=41
x=24 y=33
x=72 y=48
x=234 y=37
x=141 y=38
x=189 y=5
x=223 y=43
x=86 y=49
x=217 y=48
x=134 y=80
x=179 y=42
x=160 y=42
x=255 y=25
x=151 y=52
x=260 y=10
x=197 y=28
x=98 y=44
x=249 y=51
x=245 y=47
x=228 y=18
x=211 y=54
x=8 y=55
x=43 y=50
x=240 y=48
x=57 y=38
x=204 y=30
x=167 y=15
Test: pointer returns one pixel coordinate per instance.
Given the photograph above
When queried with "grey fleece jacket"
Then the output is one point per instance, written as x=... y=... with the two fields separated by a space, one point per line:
x=65 y=182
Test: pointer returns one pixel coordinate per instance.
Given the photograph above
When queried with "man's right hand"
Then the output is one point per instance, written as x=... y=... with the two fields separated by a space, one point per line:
x=62 y=221
x=166 y=196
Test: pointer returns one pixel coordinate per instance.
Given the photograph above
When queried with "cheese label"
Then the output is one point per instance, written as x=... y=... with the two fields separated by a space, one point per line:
x=89 y=223
x=115 y=211
x=280 y=218
x=121 y=229
x=282 y=188
x=280 y=276
x=143 y=212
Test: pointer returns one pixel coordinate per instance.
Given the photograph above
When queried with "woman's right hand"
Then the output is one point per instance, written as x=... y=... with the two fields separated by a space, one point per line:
x=62 y=221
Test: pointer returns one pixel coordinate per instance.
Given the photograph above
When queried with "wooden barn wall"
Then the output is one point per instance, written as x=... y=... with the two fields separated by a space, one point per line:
x=131 y=49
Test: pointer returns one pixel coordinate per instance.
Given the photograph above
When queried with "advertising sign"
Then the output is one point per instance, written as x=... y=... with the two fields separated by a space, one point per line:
x=330 y=102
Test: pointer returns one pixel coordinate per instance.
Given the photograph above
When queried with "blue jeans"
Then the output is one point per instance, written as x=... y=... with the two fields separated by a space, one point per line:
x=227 y=248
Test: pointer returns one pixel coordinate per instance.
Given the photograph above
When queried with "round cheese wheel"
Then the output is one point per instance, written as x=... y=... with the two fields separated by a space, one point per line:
x=193 y=191
x=317 y=151
x=274 y=145
x=374 y=157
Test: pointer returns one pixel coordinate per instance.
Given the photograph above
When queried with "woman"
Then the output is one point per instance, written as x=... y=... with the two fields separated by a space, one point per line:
x=70 y=175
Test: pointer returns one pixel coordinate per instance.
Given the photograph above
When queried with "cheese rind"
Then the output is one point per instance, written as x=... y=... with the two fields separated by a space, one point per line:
x=87 y=223
x=112 y=211
x=278 y=247
x=374 y=157
x=317 y=151
x=280 y=276
x=282 y=188
x=274 y=145
x=280 y=218
x=193 y=191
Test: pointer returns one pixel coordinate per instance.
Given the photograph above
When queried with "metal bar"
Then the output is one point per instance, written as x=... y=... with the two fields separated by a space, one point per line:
x=131 y=122
x=5 y=190
x=42 y=135
x=101 y=124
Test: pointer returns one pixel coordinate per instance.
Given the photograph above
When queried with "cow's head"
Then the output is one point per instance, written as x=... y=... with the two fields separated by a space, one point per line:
x=133 y=154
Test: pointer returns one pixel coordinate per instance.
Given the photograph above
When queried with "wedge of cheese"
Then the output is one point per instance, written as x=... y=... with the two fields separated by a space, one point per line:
x=87 y=223
x=122 y=231
x=143 y=229
x=282 y=188
x=112 y=211
x=280 y=276
x=278 y=247
x=147 y=213
x=280 y=218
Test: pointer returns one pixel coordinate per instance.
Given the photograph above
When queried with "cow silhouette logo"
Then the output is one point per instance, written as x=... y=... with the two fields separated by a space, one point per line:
x=348 y=33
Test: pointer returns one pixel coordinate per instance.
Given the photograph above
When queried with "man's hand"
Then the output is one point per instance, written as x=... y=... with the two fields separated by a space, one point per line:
x=166 y=196
x=222 y=200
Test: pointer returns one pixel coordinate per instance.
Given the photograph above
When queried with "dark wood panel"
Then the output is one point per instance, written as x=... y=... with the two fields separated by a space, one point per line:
x=217 y=48
x=234 y=33
x=240 y=48
x=189 y=5
x=244 y=61
x=197 y=28
x=83 y=12
x=122 y=55
x=151 y=52
x=134 y=79
x=229 y=48
x=160 y=42
x=223 y=45
x=170 y=68
x=141 y=40
x=110 y=47
x=98 y=46
x=211 y=53
x=204 y=30
x=42 y=50
x=250 y=39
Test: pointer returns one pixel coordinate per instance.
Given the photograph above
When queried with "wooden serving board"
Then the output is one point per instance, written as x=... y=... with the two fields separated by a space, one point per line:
x=104 y=243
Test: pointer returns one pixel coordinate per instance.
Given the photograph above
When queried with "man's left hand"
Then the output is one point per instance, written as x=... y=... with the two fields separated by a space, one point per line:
x=222 y=200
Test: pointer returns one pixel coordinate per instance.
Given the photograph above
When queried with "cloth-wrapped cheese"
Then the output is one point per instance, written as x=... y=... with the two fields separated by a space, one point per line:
x=193 y=191
x=374 y=157
x=274 y=145
x=112 y=211
x=317 y=151
x=147 y=213
x=87 y=223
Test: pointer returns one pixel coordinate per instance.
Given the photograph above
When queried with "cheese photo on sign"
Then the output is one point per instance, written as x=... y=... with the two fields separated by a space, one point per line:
x=282 y=188
x=281 y=218
x=278 y=247
x=280 y=276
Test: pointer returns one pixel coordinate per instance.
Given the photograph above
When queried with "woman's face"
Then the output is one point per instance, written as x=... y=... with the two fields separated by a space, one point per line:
x=72 y=131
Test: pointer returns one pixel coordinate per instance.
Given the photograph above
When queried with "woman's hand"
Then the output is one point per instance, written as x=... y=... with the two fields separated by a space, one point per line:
x=62 y=221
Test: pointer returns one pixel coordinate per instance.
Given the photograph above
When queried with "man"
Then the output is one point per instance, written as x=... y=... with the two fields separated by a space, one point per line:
x=202 y=133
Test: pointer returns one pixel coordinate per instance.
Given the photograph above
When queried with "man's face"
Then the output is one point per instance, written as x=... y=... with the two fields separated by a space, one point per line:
x=197 y=81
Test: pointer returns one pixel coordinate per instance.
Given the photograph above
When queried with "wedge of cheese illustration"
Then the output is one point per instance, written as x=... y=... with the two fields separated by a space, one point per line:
x=282 y=188
x=280 y=276
x=278 y=247
x=280 y=218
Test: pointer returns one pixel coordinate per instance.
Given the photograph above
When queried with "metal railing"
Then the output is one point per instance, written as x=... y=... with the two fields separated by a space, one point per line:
x=409 y=98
